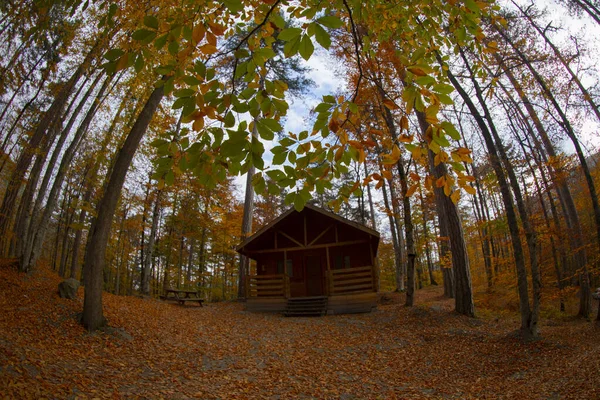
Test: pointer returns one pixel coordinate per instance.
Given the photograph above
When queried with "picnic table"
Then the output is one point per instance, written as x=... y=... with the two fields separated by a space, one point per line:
x=182 y=296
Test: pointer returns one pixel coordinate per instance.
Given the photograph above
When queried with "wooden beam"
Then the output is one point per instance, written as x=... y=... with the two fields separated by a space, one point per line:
x=328 y=288
x=336 y=233
x=305 y=239
x=291 y=238
x=316 y=246
x=320 y=235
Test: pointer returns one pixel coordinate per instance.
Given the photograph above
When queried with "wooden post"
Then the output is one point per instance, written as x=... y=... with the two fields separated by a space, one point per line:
x=374 y=269
x=305 y=238
x=329 y=283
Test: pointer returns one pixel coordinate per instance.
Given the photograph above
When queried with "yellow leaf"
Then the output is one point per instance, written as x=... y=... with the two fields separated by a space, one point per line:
x=217 y=29
x=208 y=49
x=404 y=123
x=447 y=190
x=406 y=138
x=198 y=34
x=455 y=196
x=411 y=190
x=440 y=182
x=387 y=174
x=361 y=156
x=338 y=153
x=396 y=153
x=390 y=104
x=417 y=71
x=470 y=189
x=211 y=39
x=334 y=126
x=198 y=123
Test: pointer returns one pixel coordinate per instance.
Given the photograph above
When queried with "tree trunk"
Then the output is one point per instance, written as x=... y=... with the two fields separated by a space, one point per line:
x=397 y=250
x=585 y=301
x=244 y=266
x=46 y=124
x=38 y=232
x=150 y=248
x=528 y=325
x=93 y=317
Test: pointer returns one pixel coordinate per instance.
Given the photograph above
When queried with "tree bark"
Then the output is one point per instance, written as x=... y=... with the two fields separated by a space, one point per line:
x=93 y=317
x=528 y=325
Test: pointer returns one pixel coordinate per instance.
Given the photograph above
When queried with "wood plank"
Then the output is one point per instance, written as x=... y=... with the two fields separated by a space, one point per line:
x=270 y=293
x=347 y=270
x=320 y=235
x=292 y=239
x=266 y=281
x=351 y=281
x=316 y=246
x=354 y=287
x=269 y=287
x=266 y=276
x=355 y=275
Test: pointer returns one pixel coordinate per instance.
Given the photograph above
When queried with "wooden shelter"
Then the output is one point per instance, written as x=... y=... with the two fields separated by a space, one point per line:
x=312 y=260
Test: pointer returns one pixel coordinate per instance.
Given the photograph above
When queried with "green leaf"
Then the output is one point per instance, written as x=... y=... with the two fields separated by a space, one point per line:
x=445 y=99
x=173 y=48
x=161 y=41
x=441 y=140
x=139 y=63
x=276 y=174
x=425 y=80
x=229 y=120
x=289 y=34
x=151 y=21
x=306 y=47
x=299 y=202
x=143 y=35
x=291 y=48
x=330 y=21
x=114 y=54
x=234 y=6
x=271 y=124
x=443 y=88
x=279 y=158
x=322 y=107
x=169 y=178
x=450 y=130
x=278 y=20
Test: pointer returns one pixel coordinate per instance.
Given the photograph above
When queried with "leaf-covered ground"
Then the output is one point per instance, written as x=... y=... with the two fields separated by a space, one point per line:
x=159 y=350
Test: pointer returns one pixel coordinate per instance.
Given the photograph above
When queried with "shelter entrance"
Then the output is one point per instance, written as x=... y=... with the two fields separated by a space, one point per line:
x=314 y=275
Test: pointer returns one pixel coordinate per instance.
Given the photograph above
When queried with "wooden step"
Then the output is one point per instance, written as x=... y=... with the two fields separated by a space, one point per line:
x=306 y=306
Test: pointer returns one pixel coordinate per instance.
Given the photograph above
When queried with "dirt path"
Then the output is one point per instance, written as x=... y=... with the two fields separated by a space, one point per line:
x=158 y=350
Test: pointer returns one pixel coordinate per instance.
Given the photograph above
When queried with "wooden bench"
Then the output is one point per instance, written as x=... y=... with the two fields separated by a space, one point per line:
x=182 y=296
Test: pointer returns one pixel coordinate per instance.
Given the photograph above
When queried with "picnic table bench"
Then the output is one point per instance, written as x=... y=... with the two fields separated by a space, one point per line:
x=182 y=296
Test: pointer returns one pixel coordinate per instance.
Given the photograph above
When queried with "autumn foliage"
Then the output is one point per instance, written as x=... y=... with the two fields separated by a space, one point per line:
x=159 y=350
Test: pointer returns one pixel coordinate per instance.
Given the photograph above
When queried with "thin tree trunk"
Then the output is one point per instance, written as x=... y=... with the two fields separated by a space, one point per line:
x=528 y=324
x=573 y=219
x=247 y=217
x=397 y=250
x=32 y=252
x=46 y=124
x=150 y=247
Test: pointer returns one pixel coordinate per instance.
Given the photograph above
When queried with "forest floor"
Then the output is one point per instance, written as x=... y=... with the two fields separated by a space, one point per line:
x=157 y=350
